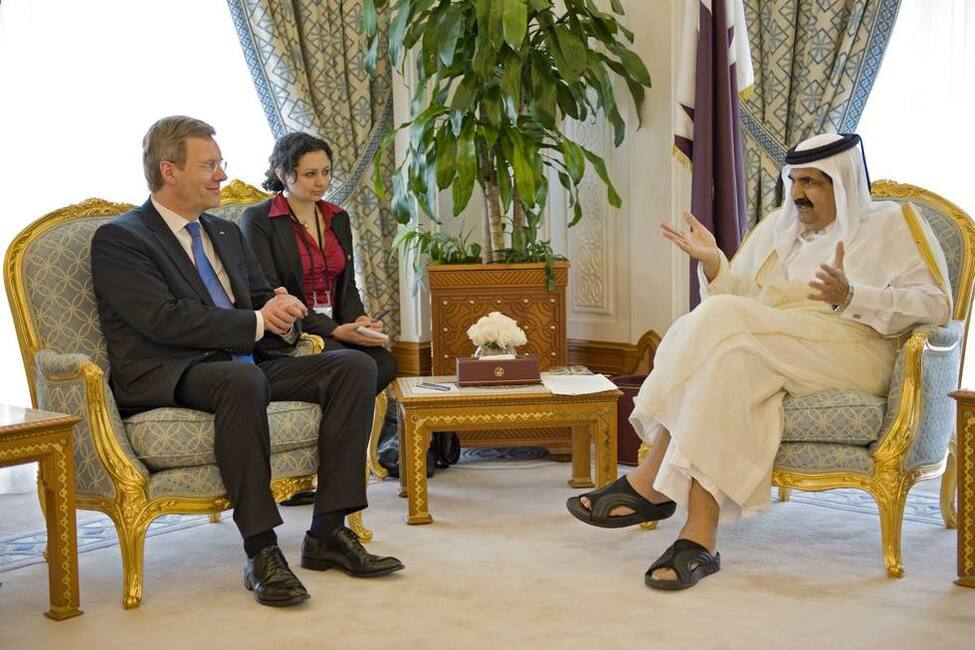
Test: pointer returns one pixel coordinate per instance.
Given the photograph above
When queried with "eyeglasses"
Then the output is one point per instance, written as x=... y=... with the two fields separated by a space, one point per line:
x=211 y=165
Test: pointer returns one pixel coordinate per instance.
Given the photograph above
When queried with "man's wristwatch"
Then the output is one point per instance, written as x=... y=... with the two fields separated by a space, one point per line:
x=847 y=300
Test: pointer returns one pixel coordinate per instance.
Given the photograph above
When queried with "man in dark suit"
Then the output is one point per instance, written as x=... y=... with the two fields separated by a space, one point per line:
x=190 y=321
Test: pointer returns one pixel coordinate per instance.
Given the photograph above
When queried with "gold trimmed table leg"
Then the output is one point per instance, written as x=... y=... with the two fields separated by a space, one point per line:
x=413 y=465
x=57 y=470
x=581 y=459
x=604 y=439
x=214 y=517
x=965 y=480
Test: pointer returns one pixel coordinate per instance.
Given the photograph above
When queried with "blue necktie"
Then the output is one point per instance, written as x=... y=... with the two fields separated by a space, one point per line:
x=210 y=279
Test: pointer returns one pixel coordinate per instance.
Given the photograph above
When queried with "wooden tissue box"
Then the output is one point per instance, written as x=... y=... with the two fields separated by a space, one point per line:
x=485 y=371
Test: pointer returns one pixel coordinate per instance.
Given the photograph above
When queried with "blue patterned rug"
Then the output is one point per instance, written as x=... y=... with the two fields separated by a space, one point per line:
x=26 y=548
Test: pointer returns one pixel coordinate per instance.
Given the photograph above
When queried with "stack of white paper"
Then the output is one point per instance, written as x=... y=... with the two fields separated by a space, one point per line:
x=576 y=384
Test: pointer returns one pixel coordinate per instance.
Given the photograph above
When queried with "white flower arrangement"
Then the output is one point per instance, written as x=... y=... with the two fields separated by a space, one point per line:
x=497 y=332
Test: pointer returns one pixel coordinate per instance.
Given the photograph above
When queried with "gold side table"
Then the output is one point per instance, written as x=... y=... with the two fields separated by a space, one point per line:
x=965 y=456
x=510 y=414
x=28 y=435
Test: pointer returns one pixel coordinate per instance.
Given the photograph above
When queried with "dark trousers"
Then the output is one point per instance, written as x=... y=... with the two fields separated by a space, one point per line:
x=384 y=359
x=342 y=383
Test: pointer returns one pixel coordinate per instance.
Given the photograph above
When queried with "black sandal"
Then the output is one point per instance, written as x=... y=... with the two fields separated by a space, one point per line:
x=616 y=494
x=689 y=560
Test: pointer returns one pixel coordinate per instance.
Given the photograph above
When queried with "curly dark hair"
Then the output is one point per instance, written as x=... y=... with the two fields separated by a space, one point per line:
x=287 y=151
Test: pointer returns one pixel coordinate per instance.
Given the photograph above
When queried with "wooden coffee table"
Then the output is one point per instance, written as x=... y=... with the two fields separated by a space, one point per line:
x=500 y=412
x=28 y=435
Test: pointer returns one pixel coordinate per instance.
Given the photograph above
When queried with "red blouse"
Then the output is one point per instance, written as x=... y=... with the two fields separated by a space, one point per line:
x=320 y=267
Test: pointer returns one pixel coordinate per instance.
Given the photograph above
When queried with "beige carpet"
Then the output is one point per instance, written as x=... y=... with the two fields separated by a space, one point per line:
x=504 y=566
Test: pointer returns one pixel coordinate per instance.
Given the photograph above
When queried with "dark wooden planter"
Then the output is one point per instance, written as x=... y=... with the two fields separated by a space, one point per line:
x=462 y=293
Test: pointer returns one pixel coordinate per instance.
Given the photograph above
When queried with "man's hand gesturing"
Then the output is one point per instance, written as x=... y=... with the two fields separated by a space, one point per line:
x=831 y=284
x=281 y=311
x=698 y=242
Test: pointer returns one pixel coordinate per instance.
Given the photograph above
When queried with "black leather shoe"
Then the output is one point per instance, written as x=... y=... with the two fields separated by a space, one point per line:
x=300 y=499
x=268 y=575
x=341 y=549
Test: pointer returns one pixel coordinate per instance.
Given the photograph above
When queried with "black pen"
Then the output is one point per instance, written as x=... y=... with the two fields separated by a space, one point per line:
x=426 y=384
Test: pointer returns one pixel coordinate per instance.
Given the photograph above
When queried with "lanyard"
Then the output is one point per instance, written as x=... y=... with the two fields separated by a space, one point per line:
x=311 y=257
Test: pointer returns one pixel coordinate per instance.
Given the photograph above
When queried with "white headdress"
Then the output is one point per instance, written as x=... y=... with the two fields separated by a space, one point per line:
x=839 y=156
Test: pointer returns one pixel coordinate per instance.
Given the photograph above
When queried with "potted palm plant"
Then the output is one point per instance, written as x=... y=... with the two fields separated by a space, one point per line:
x=495 y=80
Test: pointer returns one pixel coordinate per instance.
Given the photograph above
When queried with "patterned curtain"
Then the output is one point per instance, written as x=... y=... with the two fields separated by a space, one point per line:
x=815 y=62
x=306 y=58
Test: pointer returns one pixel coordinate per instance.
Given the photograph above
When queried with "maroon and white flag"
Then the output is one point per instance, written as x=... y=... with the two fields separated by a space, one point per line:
x=715 y=67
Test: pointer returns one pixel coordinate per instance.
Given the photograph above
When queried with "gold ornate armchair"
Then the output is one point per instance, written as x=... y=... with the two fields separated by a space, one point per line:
x=155 y=463
x=885 y=445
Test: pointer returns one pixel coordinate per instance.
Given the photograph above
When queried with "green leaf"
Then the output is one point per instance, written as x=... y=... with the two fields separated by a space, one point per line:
x=544 y=93
x=565 y=67
x=504 y=182
x=617 y=6
x=496 y=24
x=600 y=167
x=462 y=102
x=372 y=55
x=567 y=103
x=446 y=158
x=573 y=49
x=397 y=31
x=451 y=29
x=515 y=22
x=576 y=214
x=511 y=86
x=575 y=162
x=463 y=187
x=491 y=106
x=524 y=171
x=633 y=64
x=401 y=205
x=370 y=19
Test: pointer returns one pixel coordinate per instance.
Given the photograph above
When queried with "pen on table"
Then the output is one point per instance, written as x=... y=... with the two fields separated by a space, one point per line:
x=427 y=384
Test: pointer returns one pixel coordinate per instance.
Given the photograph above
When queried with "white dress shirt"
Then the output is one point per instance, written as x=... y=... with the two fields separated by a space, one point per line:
x=178 y=225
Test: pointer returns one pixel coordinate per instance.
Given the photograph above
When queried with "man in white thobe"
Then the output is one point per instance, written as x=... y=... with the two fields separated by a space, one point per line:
x=812 y=301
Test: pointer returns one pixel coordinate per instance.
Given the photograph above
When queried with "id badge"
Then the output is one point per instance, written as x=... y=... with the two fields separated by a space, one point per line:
x=323 y=309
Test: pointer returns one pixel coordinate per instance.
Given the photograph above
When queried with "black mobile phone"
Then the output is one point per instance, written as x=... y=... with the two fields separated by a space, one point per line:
x=383 y=314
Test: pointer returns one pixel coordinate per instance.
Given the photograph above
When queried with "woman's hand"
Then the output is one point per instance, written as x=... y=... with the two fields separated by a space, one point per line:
x=697 y=241
x=366 y=321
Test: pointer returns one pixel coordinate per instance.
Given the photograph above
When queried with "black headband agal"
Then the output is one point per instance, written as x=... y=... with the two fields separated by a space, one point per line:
x=846 y=141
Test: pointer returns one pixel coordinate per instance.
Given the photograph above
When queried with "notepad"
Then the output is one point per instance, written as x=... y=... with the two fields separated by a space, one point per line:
x=371 y=333
x=576 y=384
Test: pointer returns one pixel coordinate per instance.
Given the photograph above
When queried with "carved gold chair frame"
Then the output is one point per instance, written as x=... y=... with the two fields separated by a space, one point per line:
x=131 y=509
x=891 y=480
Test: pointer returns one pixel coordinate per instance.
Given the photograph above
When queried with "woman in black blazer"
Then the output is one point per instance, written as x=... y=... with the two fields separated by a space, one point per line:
x=304 y=244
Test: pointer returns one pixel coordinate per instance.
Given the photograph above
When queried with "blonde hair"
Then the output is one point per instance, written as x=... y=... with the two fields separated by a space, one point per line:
x=166 y=140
